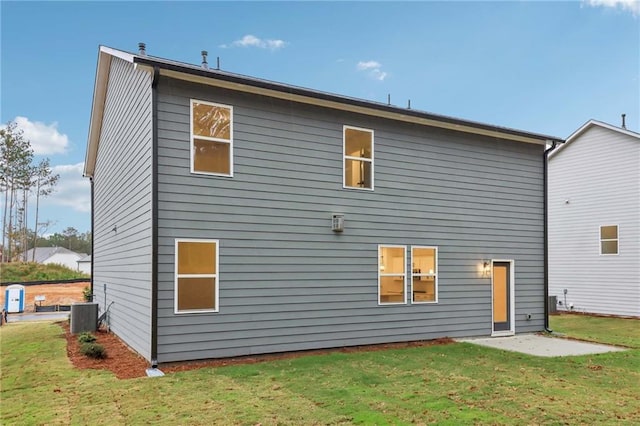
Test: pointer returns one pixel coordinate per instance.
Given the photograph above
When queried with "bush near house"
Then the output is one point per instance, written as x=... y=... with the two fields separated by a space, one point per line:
x=93 y=350
x=31 y=271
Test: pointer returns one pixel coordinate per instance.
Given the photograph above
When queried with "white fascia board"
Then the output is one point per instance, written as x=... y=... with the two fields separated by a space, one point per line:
x=125 y=56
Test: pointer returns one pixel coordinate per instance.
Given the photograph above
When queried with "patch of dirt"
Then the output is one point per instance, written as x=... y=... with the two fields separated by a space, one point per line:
x=55 y=294
x=127 y=364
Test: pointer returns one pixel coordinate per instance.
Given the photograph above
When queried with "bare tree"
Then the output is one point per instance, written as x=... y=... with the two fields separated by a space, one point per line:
x=16 y=156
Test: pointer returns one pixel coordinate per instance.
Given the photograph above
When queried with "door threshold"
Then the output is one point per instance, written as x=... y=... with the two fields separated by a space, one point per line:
x=503 y=333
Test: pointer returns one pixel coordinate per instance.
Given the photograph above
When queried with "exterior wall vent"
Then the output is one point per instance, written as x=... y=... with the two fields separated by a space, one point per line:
x=337 y=222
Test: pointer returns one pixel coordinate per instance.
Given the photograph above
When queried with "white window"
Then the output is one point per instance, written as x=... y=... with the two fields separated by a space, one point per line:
x=609 y=239
x=211 y=138
x=196 y=276
x=424 y=274
x=358 y=158
x=392 y=264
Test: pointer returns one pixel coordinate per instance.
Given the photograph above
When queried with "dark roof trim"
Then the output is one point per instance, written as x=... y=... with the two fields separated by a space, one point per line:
x=308 y=93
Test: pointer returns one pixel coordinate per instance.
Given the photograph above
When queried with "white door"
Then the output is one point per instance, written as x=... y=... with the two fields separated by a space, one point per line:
x=14 y=300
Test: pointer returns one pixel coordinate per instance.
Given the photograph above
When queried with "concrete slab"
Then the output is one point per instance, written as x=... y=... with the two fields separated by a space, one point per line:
x=539 y=345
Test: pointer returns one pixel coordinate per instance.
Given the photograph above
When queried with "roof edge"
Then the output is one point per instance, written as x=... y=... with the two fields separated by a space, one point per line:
x=586 y=126
x=105 y=55
x=239 y=82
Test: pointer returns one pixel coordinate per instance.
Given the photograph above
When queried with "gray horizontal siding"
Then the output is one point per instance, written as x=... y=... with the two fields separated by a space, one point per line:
x=122 y=187
x=286 y=281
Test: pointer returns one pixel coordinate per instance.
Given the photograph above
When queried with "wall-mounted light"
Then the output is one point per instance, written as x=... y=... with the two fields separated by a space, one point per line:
x=337 y=222
x=486 y=268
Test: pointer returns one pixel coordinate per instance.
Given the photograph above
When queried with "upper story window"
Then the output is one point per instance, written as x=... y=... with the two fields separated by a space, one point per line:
x=196 y=276
x=609 y=239
x=211 y=138
x=358 y=158
x=392 y=274
x=424 y=274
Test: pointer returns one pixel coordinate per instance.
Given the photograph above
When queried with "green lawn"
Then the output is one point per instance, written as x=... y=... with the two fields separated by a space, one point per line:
x=613 y=331
x=451 y=384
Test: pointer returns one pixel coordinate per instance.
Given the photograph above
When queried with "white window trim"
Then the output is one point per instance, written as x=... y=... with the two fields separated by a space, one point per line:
x=346 y=157
x=434 y=275
x=601 y=240
x=404 y=283
x=176 y=276
x=207 y=138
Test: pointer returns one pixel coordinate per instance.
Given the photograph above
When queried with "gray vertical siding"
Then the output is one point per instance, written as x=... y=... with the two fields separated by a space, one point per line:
x=599 y=175
x=122 y=185
x=287 y=282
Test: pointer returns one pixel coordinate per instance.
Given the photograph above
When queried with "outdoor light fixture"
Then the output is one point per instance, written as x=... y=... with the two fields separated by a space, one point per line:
x=486 y=269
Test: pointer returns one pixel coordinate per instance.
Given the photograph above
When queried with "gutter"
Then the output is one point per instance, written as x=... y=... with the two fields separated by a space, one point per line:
x=554 y=144
x=154 y=218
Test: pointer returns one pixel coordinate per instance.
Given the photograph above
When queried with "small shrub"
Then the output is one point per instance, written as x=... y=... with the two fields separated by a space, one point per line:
x=86 y=337
x=86 y=294
x=93 y=350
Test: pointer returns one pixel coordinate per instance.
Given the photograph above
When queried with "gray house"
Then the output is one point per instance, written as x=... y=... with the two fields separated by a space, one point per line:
x=236 y=216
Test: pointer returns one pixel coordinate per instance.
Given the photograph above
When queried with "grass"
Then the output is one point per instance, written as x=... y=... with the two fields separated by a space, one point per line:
x=31 y=271
x=450 y=384
x=613 y=331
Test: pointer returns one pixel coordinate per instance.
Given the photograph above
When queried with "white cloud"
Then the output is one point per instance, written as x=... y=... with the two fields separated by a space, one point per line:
x=378 y=75
x=72 y=191
x=45 y=138
x=373 y=69
x=253 y=41
x=632 y=6
x=367 y=65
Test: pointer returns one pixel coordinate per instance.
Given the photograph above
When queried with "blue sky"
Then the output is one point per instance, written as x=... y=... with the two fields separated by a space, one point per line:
x=545 y=67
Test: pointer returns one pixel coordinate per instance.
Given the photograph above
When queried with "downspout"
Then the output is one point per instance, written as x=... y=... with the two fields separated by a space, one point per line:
x=93 y=236
x=546 y=235
x=154 y=218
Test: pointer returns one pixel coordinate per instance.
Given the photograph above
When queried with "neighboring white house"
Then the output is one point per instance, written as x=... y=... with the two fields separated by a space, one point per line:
x=594 y=221
x=84 y=265
x=59 y=255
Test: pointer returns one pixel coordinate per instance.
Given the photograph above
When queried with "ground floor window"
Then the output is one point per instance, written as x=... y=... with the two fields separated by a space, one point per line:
x=424 y=274
x=392 y=261
x=196 y=276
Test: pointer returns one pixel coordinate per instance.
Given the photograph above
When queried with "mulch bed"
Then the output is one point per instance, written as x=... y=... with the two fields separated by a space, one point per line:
x=126 y=364
x=121 y=360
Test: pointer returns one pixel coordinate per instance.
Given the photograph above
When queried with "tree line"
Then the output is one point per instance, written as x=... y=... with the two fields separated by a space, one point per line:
x=21 y=180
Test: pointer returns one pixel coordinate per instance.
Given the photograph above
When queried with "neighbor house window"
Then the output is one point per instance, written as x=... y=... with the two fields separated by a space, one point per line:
x=424 y=274
x=358 y=158
x=211 y=138
x=196 y=279
x=392 y=263
x=609 y=239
